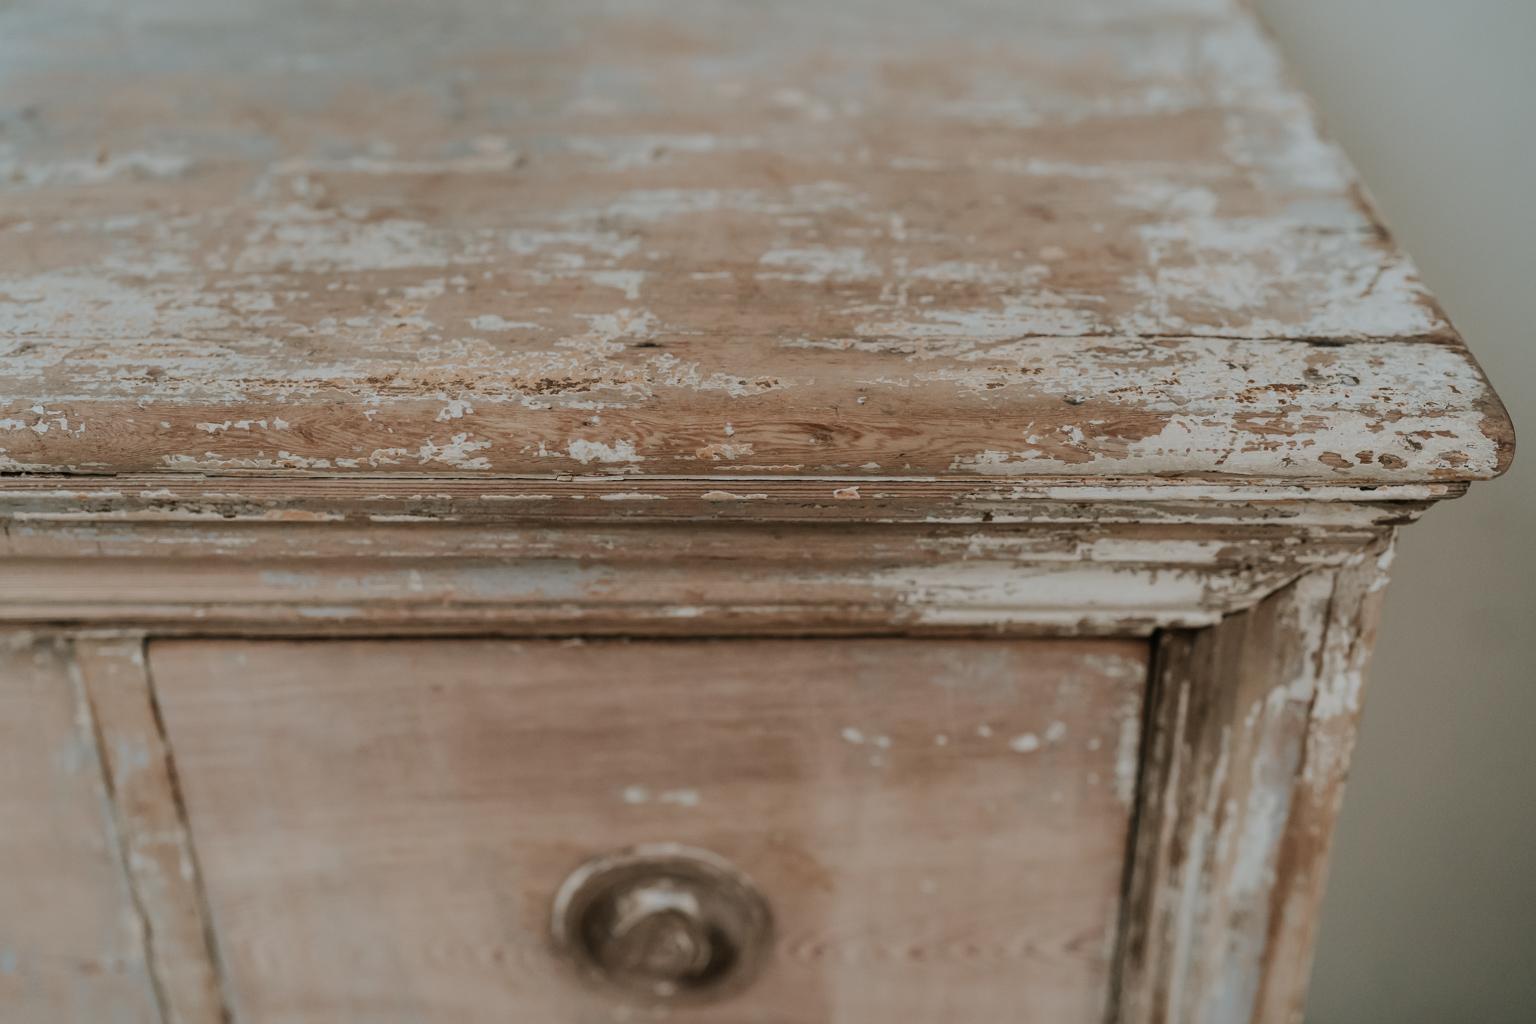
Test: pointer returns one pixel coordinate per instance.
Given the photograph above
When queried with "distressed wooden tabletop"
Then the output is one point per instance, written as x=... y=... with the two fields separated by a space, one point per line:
x=808 y=238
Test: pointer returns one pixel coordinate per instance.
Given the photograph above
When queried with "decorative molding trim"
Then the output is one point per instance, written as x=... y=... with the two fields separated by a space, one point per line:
x=151 y=827
x=247 y=555
x=182 y=497
x=706 y=578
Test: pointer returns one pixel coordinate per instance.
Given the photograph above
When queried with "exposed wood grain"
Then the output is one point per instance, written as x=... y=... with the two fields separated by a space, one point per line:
x=157 y=851
x=1248 y=739
x=71 y=934
x=939 y=826
x=849 y=238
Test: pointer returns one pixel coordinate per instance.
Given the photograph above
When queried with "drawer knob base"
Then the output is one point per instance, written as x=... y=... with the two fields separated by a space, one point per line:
x=662 y=923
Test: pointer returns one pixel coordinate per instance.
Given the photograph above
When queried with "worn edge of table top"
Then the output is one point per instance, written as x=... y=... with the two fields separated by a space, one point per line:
x=707 y=241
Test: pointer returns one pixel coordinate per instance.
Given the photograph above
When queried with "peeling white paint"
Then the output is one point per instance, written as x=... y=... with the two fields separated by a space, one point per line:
x=586 y=452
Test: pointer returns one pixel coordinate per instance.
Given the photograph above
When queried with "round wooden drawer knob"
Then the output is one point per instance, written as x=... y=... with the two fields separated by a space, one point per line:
x=663 y=922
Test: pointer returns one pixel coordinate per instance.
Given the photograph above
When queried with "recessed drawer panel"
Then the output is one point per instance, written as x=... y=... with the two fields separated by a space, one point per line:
x=935 y=829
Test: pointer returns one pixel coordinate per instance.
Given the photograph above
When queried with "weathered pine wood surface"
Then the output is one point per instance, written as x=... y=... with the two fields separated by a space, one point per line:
x=812 y=238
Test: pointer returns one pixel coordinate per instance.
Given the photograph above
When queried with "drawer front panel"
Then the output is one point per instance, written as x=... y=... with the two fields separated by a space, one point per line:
x=937 y=827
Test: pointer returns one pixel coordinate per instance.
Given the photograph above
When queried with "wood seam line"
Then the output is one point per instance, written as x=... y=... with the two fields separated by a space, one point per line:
x=199 y=883
x=1155 y=686
x=1193 y=666
x=116 y=829
x=1346 y=560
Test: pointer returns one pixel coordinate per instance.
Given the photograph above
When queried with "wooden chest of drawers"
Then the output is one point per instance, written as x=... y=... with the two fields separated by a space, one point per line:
x=762 y=513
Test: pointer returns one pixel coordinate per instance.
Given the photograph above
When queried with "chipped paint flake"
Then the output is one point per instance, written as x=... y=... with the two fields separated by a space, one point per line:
x=586 y=452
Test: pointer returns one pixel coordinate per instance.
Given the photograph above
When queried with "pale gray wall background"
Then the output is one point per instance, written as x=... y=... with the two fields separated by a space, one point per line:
x=1431 y=910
